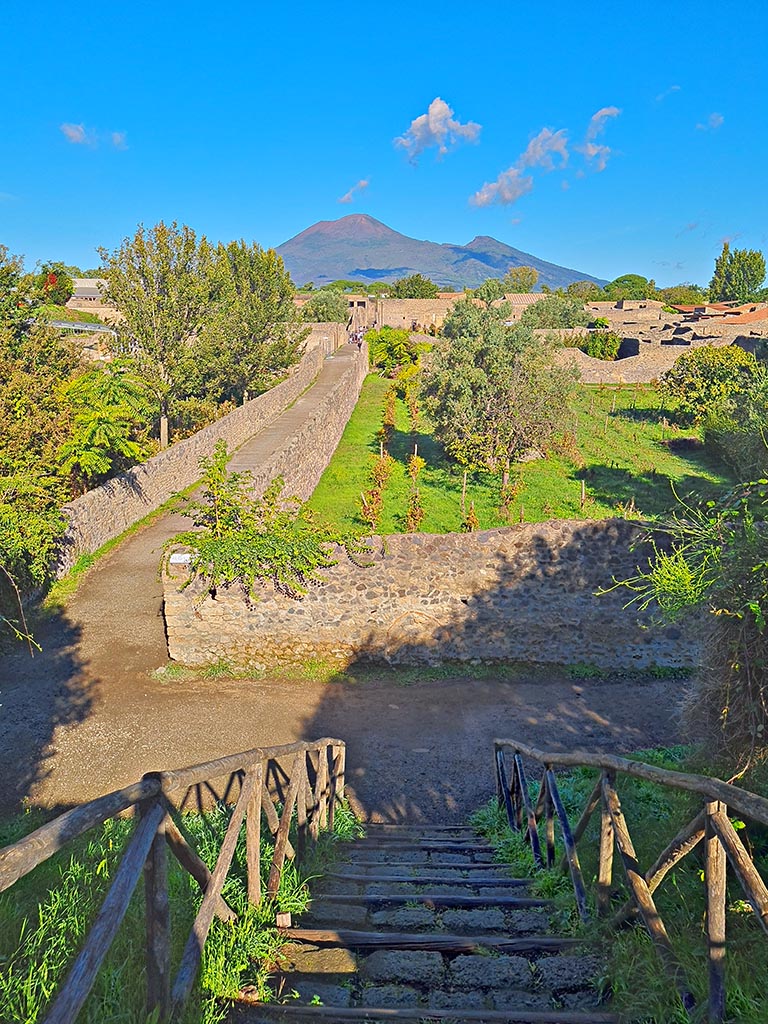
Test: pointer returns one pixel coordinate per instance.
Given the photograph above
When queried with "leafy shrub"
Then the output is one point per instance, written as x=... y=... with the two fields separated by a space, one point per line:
x=246 y=541
x=601 y=345
x=706 y=378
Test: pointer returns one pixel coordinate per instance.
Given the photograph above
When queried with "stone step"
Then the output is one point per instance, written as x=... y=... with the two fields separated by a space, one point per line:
x=448 y=845
x=436 y=899
x=459 y=921
x=417 y=864
x=440 y=942
x=265 y=1013
x=447 y=874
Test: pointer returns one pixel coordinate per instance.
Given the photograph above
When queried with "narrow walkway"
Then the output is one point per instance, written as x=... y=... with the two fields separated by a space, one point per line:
x=105 y=647
x=421 y=923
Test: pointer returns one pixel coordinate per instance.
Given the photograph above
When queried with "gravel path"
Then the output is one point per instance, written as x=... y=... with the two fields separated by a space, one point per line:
x=87 y=715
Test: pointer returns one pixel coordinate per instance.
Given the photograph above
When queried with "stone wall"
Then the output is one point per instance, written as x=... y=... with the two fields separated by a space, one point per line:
x=402 y=313
x=523 y=593
x=105 y=512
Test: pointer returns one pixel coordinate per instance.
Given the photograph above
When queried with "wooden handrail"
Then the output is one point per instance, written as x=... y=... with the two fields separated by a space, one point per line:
x=750 y=805
x=722 y=844
x=156 y=833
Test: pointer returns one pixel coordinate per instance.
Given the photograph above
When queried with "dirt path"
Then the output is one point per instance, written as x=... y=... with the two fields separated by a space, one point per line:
x=87 y=715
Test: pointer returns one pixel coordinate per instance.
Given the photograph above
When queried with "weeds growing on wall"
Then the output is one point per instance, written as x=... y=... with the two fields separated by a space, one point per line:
x=245 y=541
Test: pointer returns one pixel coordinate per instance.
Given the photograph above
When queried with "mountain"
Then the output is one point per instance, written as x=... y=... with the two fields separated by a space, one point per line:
x=360 y=248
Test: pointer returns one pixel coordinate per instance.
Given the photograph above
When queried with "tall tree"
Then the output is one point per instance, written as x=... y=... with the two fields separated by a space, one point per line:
x=161 y=281
x=493 y=391
x=630 y=286
x=556 y=312
x=585 y=291
x=414 y=287
x=254 y=332
x=738 y=275
x=520 y=280
x=54 y=283
x=490 y=291
x=327 y=305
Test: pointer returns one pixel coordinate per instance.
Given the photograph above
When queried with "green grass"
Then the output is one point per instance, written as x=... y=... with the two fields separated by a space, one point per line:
x=50 y=311
x=45 y=916
x=641 y=990
x=627 y=458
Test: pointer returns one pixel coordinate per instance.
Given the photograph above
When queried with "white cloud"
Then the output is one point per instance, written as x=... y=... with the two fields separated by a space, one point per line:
x=597 y=154
x=538 y=152
x=713 y=122
x=437 y=128
x=667 y=92
x=78 y=135
x=512 y=184
x=349 y=196
x=7 y=197
x=75 y=133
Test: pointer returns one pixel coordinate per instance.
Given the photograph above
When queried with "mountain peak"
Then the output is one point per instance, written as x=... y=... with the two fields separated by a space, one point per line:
x=360 y=248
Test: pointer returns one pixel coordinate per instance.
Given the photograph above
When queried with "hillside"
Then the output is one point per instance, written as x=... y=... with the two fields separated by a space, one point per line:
x=358 y=247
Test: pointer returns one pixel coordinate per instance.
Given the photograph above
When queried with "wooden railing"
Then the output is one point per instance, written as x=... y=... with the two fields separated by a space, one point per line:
x=711 y=825
x=312 y=783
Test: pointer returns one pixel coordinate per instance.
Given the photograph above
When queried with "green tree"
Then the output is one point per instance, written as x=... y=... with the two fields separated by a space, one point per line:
x=493 y=391
x=630 y=286
x=414 y=287
x=252 y=332
x=490 y=291
x=738 y=433
x=601 y=344
x=685 y=294
x=161 y=282
x=54 y=284
x=15 y=299
x=328 y=305
x=520 y=280
x=555 y=312
x=704 y=379
x=585 y=291
x=391 y=349
x=738 y=275
x=111 y=408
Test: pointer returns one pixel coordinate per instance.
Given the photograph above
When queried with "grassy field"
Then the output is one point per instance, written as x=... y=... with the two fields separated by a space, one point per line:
x=619 y=446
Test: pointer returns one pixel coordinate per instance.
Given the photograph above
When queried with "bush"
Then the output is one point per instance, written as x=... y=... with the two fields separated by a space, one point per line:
x=705 y=379
x=601 y=345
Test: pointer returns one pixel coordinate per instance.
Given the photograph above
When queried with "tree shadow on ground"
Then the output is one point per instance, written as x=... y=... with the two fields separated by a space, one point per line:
x=420 y=724
x=39 y=695
x=615 y=486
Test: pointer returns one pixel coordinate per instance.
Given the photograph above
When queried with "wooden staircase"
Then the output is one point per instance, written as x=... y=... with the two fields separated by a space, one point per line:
x=418 y=923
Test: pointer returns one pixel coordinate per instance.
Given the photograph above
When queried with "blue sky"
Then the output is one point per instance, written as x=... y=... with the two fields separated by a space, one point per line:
x=611 y=138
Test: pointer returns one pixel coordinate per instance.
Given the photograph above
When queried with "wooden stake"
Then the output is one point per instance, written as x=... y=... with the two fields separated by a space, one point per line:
x=583 y=493
x=714 y=877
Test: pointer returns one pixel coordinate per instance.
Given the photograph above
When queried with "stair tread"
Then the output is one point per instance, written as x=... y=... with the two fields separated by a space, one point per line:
x=338 y=1013
x=485 y=880
x=349 y=938
x=440 y=899
x=470 y=866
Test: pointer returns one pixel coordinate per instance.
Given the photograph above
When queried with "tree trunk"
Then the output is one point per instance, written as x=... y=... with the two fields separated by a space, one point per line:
x=163 y=424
